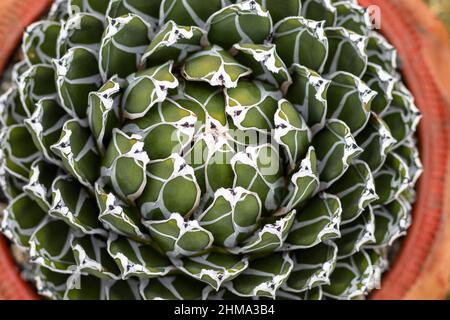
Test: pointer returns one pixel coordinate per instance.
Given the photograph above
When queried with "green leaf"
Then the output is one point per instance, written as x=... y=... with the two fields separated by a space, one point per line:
x=20 y=219
x=74 y=205
x=232 y=216
x=124 y=42
x=45 y=126
x=147 y=10
x=347 y=52
x=81 y=30
x=308 y=94
x=355 y=189
x=118 y=216
x=266 y=64
x=77 y=150
x=317 y=222
x=104 y=112
x=124 y=165
x=312 y=268
x=147 y=88
x=173 y=42
x=244 y=22
x=179 y=237
x=252 y=105
x=40 y=42
x=171 y=188
x=320 y=10
x=77 y=74
x=214 y=269
x=135 y=259
x=263 y=277
x=214 y=66
x=301 y=41
x=349 y=100
x=335 y=149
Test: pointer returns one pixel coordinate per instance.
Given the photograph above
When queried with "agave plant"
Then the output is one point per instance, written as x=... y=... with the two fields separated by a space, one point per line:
x=192 y=149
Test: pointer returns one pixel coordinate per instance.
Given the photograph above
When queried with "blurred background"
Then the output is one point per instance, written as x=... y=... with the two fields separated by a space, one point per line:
x=441 y=8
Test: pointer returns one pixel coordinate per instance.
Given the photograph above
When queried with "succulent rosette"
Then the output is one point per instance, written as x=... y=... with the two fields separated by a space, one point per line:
x=192 y=149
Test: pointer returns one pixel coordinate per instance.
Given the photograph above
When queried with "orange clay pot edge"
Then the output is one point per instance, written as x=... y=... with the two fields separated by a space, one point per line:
x=421 y=271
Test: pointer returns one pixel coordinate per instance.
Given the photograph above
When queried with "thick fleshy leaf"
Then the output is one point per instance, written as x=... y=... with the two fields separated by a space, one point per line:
x=377 y=141
x=317 y=222
x=93 y=258
x=304 y=182
x=410 y=155
x=402 y=116
x=173 y=42
x=81 y=30
x=320 y=10
x=171 y=188
x=347 y=52
x=391 y=222
x=77 y=75
x=37 y=83
x=50 y=284
x=292 y=132
x=263 y=277
x=353 y=17
x=295 y=39
x=20 y=219
x=11 y=108
x=104 y=112
x=269 y=238
x=244 y=22
x=135 y=259
x=189 y=12
x=50 y=246
x=214 y=269
x=214 y=66
x=355 y=189
x=381 y=52
x=308 y=94
x=177 y=236
x=124 y=42
x=147 y=10
x=39 y=187
x=45 y=126
x=18 y=151
x=77 y=150
x=383 y=84
x=252 y=106
x=147 y=88
x=95 y=7
x=312 y=267
x=93 y=288
x=124 y=165
x=232 y=216
x=258 y=169
x=118 y=216
x=167 y=128
x=40 y=42
x=392 y=179
x=179 y=287
x=280 y=10
x=357 y=234
x=75 y=206
x=266 y=64
x=335 y=149
x=349 y=100
x=352 y=278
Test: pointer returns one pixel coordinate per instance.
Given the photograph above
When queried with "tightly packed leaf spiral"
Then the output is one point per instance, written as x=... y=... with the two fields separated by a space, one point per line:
x=192 y=149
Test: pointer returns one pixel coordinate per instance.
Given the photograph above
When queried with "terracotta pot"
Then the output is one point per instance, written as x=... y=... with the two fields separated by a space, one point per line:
x=422 y=269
